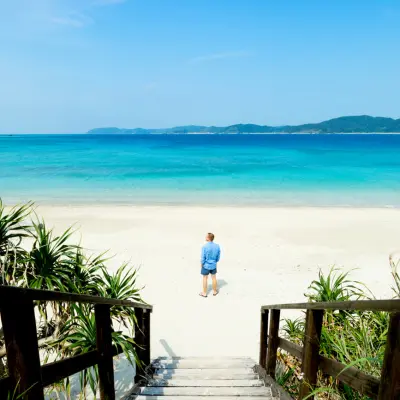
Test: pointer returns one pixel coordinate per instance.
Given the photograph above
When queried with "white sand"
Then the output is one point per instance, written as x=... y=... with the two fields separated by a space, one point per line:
x=269 y=255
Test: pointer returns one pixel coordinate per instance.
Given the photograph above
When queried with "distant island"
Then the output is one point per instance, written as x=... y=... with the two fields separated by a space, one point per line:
x=351 y=124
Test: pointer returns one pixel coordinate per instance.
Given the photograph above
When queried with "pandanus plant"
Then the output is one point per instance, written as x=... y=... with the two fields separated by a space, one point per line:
x=13 y=226
x=50 y=261
x=78 y=334
x=13 y=229
x=353 y=338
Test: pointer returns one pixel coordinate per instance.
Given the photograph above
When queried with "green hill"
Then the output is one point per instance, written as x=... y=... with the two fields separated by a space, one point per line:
x=352 y=124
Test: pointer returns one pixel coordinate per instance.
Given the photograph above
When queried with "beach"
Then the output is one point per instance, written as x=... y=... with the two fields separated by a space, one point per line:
x=282 y=207
x=269 y=255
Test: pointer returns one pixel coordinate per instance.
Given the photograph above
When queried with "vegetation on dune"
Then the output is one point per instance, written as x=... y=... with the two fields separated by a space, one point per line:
x=351 y=337
x=33 y=256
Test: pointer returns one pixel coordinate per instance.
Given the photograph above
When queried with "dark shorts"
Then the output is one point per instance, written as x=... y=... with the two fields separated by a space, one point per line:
x=205 y=271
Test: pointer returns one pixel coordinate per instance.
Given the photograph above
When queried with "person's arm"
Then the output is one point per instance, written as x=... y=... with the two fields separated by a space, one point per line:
x=218 y=253
x=203 y=256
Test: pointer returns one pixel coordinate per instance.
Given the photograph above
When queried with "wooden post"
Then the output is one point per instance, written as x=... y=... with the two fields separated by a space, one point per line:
x=311 y=351
x=140 y=341
x=147 y=350
x=273 y=342
x=389 y=388
x=19 y=327
x=263 y=338
x=105 y=351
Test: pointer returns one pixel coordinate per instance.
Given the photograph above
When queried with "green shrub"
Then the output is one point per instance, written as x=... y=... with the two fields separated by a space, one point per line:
x=32 y=256
x=351 y=337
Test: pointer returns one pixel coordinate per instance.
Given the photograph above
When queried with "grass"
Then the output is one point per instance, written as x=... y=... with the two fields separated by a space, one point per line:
x=33 y=256
x=351 y=337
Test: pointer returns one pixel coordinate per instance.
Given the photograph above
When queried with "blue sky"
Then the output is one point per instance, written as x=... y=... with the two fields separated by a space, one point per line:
x=72 y=65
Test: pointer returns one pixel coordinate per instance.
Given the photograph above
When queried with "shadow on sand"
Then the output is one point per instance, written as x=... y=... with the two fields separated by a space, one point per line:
x=221 y=283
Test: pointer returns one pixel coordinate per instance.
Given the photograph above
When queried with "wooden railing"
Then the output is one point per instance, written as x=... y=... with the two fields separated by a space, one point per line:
x=27 y=375
x=387 y=388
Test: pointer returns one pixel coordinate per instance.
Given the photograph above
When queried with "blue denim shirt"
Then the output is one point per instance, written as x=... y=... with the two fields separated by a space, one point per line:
x=210 y=254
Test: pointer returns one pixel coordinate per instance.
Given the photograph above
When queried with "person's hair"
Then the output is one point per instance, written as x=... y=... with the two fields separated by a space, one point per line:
x=210 y=236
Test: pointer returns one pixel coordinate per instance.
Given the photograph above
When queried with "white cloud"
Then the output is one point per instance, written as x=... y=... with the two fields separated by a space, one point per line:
x=219 y=56
x=35 y=15
x=80 y=16
x=76 y=20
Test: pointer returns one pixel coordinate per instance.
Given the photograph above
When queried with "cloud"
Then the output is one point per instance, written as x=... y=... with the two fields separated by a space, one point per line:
x=75 y=20
x=219 y=56
x=37 y=16
x=80 y=16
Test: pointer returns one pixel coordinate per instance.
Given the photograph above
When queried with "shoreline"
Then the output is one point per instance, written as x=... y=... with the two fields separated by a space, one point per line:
x=203 y=206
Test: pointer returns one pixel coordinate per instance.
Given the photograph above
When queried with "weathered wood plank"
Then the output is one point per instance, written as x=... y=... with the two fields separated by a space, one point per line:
x=55 y=371
x=263 y=338
x=140 y=342
x=358 y=380
x=17 y=295
x=361 y=305
x=192 y=364
x=58 y=370
x=105 y=351
x=206 y=391
x=276 y=390
x=310 y=358
x=163 y=397
x=213 y=359
x=273 y=342
x=146 y=333
x=203 y=374
x=390 y=378
x=292 y=348
x=23 y=360
x=199 y=382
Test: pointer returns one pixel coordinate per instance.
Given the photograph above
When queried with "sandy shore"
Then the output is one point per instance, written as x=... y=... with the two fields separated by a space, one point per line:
x=269 y=255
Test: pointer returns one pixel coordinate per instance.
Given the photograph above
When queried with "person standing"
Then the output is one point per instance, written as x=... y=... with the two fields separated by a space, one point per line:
x=210 y=254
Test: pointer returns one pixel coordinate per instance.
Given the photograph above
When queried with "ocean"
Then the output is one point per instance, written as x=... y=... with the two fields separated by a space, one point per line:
x=264 y=170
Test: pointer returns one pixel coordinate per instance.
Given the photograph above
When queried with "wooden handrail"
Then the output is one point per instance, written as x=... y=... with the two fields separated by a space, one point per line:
x=357 y=305
x=25 y=371
x=19 y=294
x=363 y=383
x=387 y=388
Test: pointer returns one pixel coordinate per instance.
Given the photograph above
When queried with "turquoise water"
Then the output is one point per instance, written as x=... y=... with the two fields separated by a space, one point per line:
x=361 y=170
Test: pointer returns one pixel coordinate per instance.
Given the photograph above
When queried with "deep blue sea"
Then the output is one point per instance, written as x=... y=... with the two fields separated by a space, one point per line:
x=315 y=170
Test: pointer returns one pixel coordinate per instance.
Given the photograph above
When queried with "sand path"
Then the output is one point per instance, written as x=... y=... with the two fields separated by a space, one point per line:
x=269 y=255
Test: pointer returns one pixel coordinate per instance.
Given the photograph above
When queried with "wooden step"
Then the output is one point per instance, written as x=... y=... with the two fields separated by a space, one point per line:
x=205 y=374
x=206 y=391
x=143 y=397
x=205 y=358
x=203 y=364
x=205 y=383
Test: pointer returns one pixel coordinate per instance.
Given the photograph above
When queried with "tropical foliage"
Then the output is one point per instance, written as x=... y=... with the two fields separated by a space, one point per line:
x=32 y=255
x=351 y=337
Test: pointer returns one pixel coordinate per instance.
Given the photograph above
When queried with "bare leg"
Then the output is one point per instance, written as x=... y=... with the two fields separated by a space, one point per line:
x=214 y=283
x=205 y=283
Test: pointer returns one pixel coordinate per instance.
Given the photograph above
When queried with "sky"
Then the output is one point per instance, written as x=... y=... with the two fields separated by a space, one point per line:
x=67 y=66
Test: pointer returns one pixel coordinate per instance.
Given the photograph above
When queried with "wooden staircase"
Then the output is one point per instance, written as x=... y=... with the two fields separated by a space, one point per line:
x=204 y=378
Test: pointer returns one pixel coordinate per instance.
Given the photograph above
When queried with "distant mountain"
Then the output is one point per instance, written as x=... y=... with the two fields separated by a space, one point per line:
x=352 y=124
